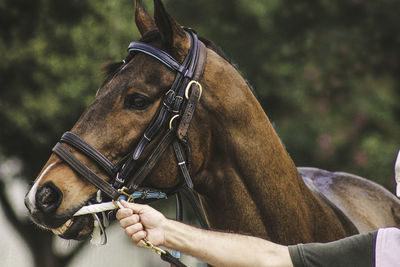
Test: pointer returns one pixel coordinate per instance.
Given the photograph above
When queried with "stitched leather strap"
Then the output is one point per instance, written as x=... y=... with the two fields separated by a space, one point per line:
x=194 y=201
x=84 y=171
x=182 y=164
x=152 y=160
x=189 y=111
x=194 y=93
x=171 y=259
x=158 y=54
x=83 y=147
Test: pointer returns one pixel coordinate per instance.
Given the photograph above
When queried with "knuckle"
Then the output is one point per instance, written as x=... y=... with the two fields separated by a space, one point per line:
x=139 y=236
x=124 y=223
x=138 y=226
x=118 y=215
x=133 y=229
x=135 y=218
x=129 y=230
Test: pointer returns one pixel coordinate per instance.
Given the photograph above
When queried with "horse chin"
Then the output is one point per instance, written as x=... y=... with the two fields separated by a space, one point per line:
x=78 y=228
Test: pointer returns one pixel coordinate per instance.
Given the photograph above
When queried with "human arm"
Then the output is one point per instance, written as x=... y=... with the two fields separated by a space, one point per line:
x=215 y=248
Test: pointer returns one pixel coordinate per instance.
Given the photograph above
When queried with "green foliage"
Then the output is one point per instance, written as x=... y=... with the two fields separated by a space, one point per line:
x=326 y=72
x=51 y=68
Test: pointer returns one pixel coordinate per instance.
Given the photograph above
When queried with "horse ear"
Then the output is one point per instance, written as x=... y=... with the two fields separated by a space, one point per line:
x=172 y=34
x=144 y=22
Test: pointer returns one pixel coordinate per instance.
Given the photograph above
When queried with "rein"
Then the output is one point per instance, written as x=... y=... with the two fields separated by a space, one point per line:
x=173 y=118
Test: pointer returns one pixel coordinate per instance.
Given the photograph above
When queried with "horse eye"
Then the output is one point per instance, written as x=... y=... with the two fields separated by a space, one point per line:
x=136 y=101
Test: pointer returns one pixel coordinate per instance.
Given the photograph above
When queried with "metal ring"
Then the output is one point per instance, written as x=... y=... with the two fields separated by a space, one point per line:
x=188 y=87
x=172 y=120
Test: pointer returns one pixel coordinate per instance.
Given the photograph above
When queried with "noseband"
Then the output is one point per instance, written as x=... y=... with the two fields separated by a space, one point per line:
x=172 y=118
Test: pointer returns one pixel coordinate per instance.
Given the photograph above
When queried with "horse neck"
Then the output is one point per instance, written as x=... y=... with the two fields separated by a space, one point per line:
x=249 y=183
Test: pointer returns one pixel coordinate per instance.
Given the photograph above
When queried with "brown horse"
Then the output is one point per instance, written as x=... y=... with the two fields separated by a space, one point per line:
x=245 y=179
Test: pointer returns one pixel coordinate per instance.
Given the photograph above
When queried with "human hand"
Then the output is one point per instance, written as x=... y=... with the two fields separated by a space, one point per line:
x=142 y=221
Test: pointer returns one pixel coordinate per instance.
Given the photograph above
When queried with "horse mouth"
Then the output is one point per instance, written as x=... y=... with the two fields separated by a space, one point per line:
x=63 y=228
x=78 y=228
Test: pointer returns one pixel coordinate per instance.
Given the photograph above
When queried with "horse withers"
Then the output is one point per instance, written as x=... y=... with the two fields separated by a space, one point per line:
x=244 y=178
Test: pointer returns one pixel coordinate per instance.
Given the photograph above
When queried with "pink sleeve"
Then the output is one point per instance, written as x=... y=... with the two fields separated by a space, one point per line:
x=387 y=247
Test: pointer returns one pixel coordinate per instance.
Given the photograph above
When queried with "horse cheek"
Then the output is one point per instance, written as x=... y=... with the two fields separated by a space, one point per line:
x=165 y=174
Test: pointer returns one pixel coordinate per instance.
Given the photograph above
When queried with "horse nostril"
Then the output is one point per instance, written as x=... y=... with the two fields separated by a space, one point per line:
x=48 y=198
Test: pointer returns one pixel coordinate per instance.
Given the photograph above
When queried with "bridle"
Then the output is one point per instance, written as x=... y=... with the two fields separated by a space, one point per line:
x=172 y=119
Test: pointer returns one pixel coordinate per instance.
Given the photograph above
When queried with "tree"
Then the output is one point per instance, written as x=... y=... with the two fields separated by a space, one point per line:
x=49 y=72
x=326 y=73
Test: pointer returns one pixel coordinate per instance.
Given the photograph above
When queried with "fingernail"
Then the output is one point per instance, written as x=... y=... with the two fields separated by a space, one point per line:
x=124 y=203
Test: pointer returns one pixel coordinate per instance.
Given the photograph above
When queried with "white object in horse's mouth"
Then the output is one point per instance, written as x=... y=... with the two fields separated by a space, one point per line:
x=97 y=208
x=397 y=174
x=63 y=228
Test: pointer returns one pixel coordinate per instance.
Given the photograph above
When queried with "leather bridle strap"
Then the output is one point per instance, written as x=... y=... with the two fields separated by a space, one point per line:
x=158 y=54
x=195 y=203
x=83 y=147
x=185 y=73
x=152 y=160
x=86 y=173
x=190 y=68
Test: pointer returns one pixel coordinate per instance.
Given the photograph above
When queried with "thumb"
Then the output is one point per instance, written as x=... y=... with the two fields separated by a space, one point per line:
x=136 y=208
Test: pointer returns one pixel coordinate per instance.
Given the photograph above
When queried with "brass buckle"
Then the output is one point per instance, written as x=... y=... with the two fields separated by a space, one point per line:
x=172 y=120
x=122 y=191
x=155 y=249
x=190 y=85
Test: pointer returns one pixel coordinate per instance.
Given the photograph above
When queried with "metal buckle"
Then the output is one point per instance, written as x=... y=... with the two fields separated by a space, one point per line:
x=148 y=244
x=190 y=85
x=172 y=120
x=118 y=179
x=177 y=104
x=122 y=191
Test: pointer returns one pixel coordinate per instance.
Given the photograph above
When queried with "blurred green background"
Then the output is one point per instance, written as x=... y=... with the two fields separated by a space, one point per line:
x=326 y=73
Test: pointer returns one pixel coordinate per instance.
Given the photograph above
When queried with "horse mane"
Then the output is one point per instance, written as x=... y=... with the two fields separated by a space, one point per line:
x=110 y=69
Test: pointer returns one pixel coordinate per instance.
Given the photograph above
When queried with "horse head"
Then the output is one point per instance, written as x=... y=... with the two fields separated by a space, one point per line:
x=115 y=125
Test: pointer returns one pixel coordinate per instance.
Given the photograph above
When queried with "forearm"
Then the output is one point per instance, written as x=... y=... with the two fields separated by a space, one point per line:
x=224 y=249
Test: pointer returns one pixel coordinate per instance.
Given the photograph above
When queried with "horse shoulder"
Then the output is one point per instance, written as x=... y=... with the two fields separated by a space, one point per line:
x=368 y=205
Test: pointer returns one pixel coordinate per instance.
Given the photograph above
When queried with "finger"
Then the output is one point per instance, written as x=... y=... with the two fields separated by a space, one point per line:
x=137 y=208
x=133 y=229
x=123 y=213
x=135 y=238
x=127 y=221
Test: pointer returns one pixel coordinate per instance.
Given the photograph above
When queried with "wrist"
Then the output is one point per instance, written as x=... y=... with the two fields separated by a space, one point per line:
x=176 y=235
x=167 y=227
x=164 y=228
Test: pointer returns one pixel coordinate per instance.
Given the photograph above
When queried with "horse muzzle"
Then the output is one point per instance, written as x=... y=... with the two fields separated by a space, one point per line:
x=42 y=205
